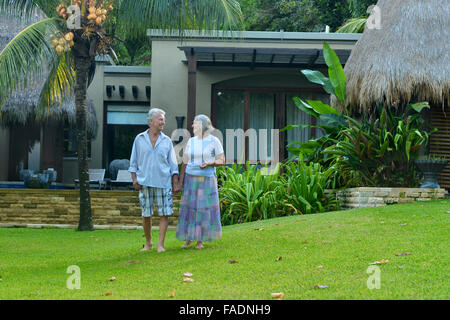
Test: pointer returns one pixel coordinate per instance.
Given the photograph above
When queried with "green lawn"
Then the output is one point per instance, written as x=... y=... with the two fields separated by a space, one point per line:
x=33 y=262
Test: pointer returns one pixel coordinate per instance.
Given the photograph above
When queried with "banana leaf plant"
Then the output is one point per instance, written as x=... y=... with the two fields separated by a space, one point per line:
x=375 y=151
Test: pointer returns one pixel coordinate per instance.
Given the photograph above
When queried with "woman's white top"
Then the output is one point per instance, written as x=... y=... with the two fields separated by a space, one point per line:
x=200 y=151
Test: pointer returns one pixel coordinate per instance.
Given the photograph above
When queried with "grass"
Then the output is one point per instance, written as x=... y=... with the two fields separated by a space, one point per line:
x=33 y=262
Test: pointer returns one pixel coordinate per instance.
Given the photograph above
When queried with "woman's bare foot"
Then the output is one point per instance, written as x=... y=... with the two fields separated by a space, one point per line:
x=187 y=244
x=199 y=245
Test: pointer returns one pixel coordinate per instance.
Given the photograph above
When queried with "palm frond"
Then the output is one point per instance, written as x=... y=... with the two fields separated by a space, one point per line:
x=27 y=56
x=59 y=83
x=27 y=8
x=179 y=15
x=355 y=25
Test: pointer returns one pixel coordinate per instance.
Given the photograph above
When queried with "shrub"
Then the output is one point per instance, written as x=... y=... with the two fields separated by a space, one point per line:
x=248 y=195
x=383 y=151
x=305 y=187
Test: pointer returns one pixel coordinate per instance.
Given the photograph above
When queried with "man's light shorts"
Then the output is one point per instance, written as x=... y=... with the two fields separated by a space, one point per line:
x=162 y=197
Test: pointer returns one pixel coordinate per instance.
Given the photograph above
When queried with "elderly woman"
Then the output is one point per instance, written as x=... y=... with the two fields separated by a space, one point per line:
x=199 y=215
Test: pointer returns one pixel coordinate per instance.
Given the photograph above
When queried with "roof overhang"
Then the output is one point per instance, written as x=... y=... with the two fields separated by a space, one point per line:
x=259 y=57
x=252 y=36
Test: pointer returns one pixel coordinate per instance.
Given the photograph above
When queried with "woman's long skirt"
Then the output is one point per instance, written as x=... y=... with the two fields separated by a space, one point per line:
x=199 y=214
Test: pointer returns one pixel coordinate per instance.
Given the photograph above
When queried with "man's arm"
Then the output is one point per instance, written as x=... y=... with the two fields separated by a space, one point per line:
x=133 y=167
x=136 y=185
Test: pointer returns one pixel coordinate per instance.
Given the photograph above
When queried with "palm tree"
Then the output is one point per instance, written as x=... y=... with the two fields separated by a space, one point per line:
x=51 y=46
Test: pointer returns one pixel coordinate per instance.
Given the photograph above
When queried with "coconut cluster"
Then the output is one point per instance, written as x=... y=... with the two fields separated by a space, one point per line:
x=62 y=11
x=98 y=14
x=94 y=14
x=62 y=44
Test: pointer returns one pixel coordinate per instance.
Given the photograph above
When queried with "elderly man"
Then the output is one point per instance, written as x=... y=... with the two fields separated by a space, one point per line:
x=154 y=171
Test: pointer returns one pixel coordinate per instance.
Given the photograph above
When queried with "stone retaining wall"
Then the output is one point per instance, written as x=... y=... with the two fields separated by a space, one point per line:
x=367 y=197
x=46 y=207
x=120 y=209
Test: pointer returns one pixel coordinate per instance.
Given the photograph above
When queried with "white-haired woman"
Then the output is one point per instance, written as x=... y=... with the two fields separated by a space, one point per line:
x=199 y=214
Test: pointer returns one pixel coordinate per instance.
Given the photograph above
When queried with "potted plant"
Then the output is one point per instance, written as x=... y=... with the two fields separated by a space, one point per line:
x=38 y=180
x=431 y=167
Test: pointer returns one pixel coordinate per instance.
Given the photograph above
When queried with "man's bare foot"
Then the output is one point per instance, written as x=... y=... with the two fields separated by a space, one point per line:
x=161 y=249
x=187 y=244
x=147 y=247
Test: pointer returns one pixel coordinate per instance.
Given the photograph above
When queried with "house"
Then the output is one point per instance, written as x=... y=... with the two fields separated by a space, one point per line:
x=243 y=80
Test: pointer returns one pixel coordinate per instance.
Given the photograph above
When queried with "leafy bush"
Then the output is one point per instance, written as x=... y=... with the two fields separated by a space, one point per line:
x=248 y=195
x=383 y=150
x=305 y=187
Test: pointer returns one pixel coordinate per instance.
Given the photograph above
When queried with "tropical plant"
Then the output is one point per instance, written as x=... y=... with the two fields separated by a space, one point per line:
x=376 y=150
x=382 y=150
x=246 y=194
x=65 y=42
x=305 y=186
x=332 y=120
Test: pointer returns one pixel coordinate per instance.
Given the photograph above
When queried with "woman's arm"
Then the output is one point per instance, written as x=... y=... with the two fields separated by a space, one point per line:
x=218 y=162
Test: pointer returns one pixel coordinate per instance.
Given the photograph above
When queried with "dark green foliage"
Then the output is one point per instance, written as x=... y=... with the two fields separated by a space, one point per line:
x=275 y=15
x=383 y=149
x=248 y=195
x=300 y=15
x=305 y=187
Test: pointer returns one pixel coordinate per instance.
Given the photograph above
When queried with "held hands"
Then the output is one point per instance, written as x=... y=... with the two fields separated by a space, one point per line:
x=136 y=185
x=176 y=187
x=176 y=184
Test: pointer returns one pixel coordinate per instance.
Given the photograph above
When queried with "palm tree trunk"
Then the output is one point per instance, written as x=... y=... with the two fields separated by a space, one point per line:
x=82 y=64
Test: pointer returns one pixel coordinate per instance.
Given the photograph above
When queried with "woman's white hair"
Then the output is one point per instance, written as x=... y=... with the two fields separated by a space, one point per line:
x=206 y=123
x=152 y=113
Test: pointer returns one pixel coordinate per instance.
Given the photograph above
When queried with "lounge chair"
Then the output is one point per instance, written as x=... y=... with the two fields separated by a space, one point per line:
x=123 y=180
x=96 y=179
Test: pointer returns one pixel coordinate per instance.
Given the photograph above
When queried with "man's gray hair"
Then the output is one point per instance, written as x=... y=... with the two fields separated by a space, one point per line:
x=153 y=112
x=205 y=121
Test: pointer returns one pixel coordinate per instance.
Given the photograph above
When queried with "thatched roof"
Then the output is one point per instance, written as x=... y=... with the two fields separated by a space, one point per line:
x=406 y=60
x=21 y=107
